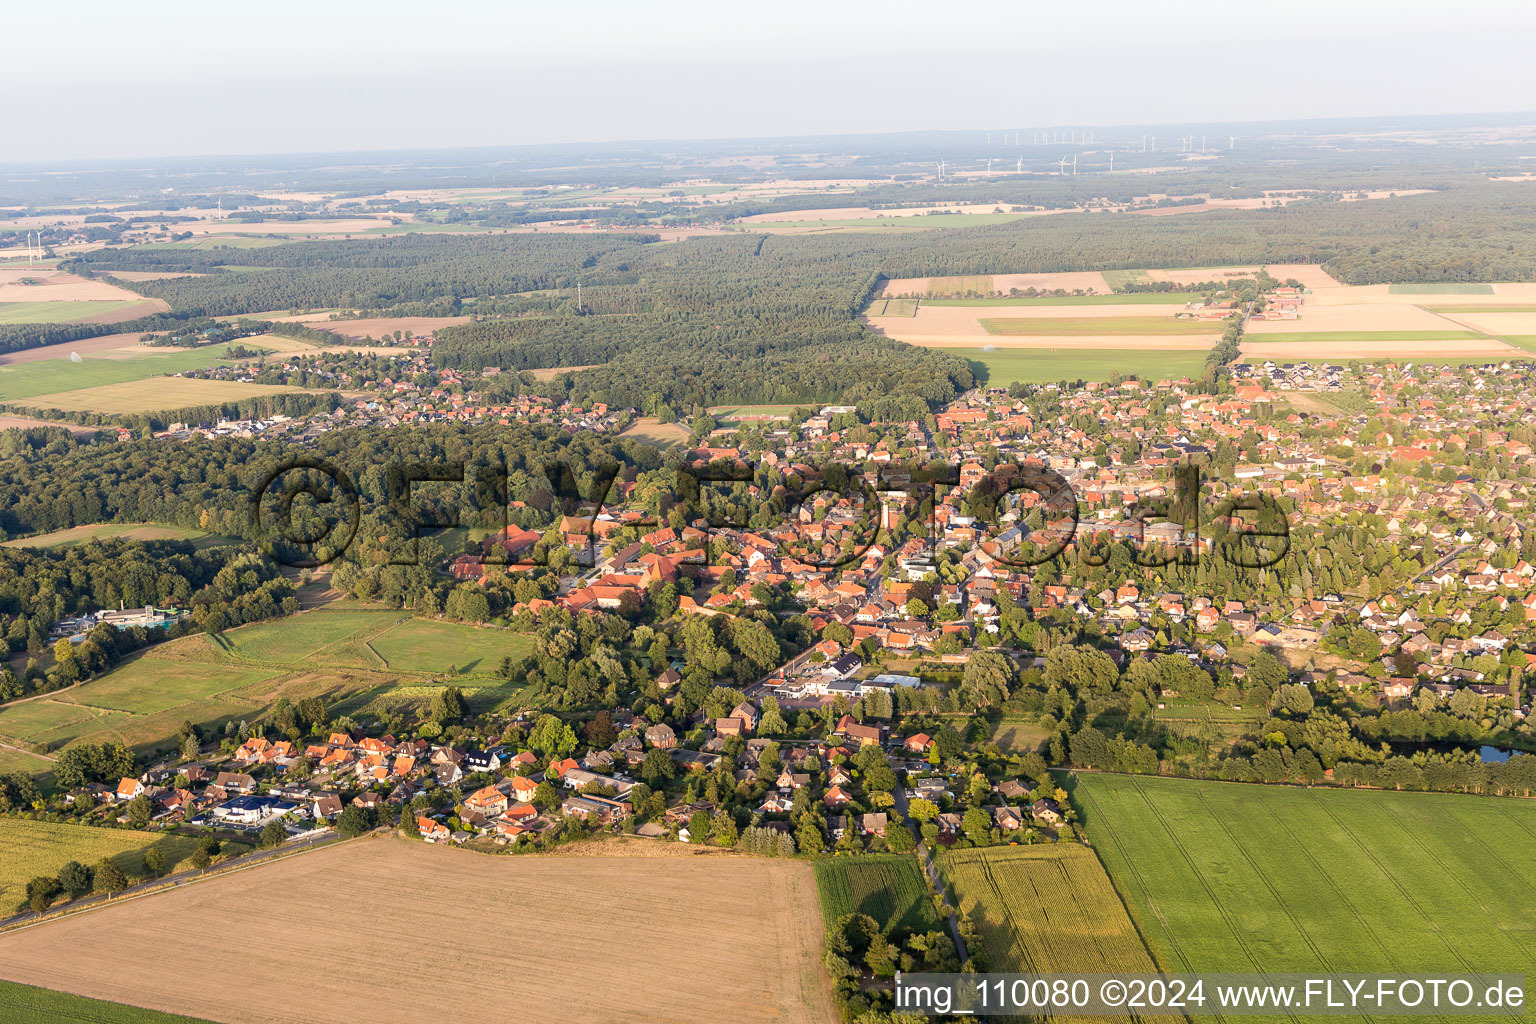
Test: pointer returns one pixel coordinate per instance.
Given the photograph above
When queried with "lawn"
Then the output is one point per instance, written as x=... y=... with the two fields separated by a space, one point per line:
x=1132 y=299
x=45 y=1006
x=1096 y=326
x=1440 y=289
x=156 y=394
x=53 y=312
x=1303 y=336
x=1045 y=909
x=887 y=887
x=734 y=414
x=1021 y=737
x=425 y=645
x=51 y=376
x=300 y=639
x=1233 y=877
x=1000 y=367
x=31 y=848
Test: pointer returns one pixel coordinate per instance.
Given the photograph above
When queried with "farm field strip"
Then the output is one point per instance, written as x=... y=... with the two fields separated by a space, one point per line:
x=889 y=888
x=1232 y=877
x=762 y=951
x=1046 y=908
x=1002 y=365
x=30 y=848
x=1066 y=327
x=45 y=1006
x=59 y=311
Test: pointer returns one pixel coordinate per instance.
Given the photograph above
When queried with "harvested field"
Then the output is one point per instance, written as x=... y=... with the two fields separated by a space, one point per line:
x=1094 y=326
x=127 y=311
x=1087 y=281
x=27 y=422
x=1050 y=325
x=653 y=431
x=150 y=275
x=1311 y=275
x=154 y=394
x=1522 y=322
x=57 y=286
x=1440 y=289
x=1358 y=317
x=1199 y=275
x=377 y=327
x=1294 y=351
x=760 y=950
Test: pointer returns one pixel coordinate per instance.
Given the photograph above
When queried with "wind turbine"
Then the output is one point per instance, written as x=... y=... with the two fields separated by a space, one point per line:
x=1020 y=168
x=1230 y=140
x=1074 y=165
x=1063 y=168
x=1111 y=160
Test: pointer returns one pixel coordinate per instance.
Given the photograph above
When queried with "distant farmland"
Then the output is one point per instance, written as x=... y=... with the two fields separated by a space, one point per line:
x=1066 y=327
x=1232 y=877
x=1005 y=366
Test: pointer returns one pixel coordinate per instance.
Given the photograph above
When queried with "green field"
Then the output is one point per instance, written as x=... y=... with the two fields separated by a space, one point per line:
x=1303 y=336
x=157 y=394
x=58 y=312
x=1132 y=299
x=730 y=415
x=51 y=376
x=126 y=531
x=1021 y=737
x=214 y=242
x=1045 y=909
x=893 y=307
x=31 y=848
x=359 y=659
x=1096 y=326
x=422 y=645
x=1440 y=289
x=1233 y=877
x=44 y=1006
x=887 y=887
x=1525 y=341
x=1005 y=366
x=1118 y=279
x=921 y=222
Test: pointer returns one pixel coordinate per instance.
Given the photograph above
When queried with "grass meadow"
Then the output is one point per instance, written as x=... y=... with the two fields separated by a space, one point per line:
x=53 y=376
x=1003 y=366
x=53 y=312
x=45 y=1006
x=1045 y=908
x=1243 y=878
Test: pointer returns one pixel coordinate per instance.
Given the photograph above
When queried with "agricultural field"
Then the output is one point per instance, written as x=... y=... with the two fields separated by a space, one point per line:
x=1131 y=299
x=1077 y=327
x=887 y=887
x=1298 y=337
x=156 y=394
x=32 y=848
x=1045 y=908
x=51 y=377
x=237 y=675
x=1090 y=282
x=105 y=531
x=1002 y=366
x=652 y=431
x=1233 y=877
x=50 y=287
x=896 y=307
x=49 y=312
x=758 y=960
x=44 y=1006
x=1440 y=289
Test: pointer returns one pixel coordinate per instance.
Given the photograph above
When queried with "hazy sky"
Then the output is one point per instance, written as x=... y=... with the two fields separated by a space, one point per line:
x=106 y=79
